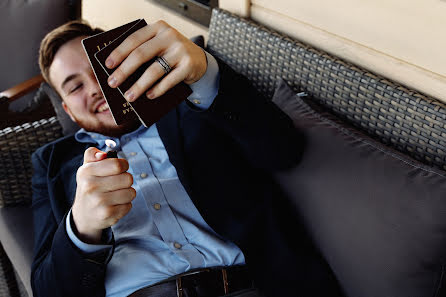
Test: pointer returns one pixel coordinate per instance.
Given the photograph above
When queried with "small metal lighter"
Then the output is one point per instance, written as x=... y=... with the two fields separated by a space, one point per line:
x=111 y=153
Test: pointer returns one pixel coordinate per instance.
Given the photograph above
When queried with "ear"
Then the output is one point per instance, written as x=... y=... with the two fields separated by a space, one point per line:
x=67 y=110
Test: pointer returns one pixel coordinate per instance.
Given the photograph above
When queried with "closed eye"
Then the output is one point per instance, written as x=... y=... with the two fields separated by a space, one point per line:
x=75 y=88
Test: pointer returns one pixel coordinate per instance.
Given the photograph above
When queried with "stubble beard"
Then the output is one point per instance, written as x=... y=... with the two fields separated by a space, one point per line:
x=108 y=130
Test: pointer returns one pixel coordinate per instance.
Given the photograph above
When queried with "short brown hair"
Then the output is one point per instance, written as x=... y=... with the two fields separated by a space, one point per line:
x=58 y=37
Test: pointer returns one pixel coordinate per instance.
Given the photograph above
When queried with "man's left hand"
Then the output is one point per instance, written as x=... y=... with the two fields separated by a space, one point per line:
x=187 y=60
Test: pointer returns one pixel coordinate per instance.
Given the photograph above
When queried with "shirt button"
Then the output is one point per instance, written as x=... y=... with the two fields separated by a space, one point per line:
x=157 y=206
x=196 y=101
x=143 y=175
x=132 y=154
x=177 y=245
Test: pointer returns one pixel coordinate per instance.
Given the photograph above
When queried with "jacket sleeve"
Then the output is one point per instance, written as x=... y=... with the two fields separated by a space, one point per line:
x=59 y=268
x=266 y=134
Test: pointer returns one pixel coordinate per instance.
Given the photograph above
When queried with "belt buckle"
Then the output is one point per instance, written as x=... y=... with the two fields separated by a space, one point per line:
x=179 y=284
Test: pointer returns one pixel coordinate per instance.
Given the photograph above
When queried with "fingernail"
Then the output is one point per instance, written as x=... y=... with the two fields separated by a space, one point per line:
x=150 y=94
x=112 y=81
x=129 y=95
x=109 y=63
x=98 y=155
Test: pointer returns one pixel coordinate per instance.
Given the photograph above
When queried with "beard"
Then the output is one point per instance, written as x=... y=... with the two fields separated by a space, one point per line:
x=107 y=130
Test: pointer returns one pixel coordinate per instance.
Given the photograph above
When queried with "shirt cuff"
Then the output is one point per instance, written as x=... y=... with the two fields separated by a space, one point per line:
x=84 y=247
x=205 y=90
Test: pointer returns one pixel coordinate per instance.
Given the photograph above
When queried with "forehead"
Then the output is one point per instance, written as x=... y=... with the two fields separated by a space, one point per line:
x=70 y=59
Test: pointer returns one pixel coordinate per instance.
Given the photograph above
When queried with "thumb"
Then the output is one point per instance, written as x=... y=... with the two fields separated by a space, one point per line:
x=93 y=154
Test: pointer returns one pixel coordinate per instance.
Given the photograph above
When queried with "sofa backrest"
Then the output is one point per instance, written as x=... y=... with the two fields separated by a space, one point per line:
x=396 y=115
x=23 y=24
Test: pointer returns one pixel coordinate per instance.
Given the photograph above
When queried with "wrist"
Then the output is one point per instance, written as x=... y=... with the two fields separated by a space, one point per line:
x=85 y=234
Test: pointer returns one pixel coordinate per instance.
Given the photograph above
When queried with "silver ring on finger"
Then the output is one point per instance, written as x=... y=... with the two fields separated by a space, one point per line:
x=164 y=64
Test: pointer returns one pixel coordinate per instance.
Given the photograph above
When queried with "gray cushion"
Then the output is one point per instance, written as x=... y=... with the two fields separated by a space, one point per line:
x=16 y=236
x=377 y=216
x=68 y=126
x=23 y=24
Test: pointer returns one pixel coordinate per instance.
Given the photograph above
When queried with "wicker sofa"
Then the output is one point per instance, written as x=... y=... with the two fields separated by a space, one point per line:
x=397 y=116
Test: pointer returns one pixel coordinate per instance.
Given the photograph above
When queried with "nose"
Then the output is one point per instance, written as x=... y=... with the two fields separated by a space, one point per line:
x=93 y=86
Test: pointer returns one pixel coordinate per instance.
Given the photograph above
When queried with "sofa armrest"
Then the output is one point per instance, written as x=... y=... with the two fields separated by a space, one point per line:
x=16 y=146
x=21 y=89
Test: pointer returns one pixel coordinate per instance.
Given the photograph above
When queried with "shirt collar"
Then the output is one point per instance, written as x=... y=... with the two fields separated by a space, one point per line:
x=85 y=136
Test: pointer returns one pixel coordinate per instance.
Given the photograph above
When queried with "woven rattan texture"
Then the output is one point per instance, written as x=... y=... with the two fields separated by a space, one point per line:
x=397 y=116
x=8 y=282
x=16 y=146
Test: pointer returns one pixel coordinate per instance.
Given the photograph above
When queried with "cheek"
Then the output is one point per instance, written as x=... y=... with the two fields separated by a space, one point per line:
x=77 y=102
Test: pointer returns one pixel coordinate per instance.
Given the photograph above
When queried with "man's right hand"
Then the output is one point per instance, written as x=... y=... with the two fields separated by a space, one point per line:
x=103 y=195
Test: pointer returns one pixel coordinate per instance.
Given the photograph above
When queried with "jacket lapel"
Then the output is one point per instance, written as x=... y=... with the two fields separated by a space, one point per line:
x=170 y=133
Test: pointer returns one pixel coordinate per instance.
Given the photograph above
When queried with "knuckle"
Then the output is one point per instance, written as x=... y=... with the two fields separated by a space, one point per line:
x=87 y=166
x=161 y=23
x=171 y=33
x=132 y=193
x=89 y=186
x=188 y=61
x=178 y=49
x=106 y=213
x=118 y=166
x=126 y=209
x=89 y=150
x=85 y=171
x=138 y=54
x=137 y=87
x=112 y=221
x=96 y=202
x=118 y=73
x=124 y=164
x=129 y=179
x=79 y=174
x=81 y=171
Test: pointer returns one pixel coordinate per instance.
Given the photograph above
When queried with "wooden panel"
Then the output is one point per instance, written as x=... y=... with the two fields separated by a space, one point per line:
x=414 y=67
x=23 y=88
x=108 y=14
x=239 y=7
x=407 y=29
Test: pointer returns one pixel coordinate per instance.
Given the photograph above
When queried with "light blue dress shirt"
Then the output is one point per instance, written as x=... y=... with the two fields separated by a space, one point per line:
x=164 y=234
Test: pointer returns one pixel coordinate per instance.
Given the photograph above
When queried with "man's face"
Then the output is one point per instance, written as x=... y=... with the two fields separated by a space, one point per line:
x=73 y=78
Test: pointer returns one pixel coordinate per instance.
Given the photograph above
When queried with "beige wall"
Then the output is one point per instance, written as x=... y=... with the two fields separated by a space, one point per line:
x=400 y=39
x=113 y=13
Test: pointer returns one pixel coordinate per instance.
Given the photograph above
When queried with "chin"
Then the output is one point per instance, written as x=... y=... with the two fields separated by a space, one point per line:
x=110 y=129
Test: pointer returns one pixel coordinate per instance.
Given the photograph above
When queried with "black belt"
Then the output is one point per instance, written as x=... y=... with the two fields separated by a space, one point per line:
x=210 y=282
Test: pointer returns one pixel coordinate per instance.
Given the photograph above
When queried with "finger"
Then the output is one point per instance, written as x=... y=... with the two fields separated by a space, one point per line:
x=93 y=154
x=132 y=42
x=152 y=74
x=119 y=211
x=174 y=77
x=114 y=182
x=122 y=196
x=106 y=167
x=145 y=52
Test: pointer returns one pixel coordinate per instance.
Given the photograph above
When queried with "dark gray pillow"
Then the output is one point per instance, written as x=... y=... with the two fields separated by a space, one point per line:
x=377 y=216
x=68 y=126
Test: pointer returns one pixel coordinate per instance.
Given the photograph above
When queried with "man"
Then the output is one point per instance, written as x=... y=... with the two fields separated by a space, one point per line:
x=187 y=196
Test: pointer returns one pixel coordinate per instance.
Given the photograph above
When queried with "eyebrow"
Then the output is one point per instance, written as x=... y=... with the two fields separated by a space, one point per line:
x=67 y=79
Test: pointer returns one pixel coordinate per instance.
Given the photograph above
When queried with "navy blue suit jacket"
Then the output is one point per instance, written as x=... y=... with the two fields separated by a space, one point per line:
x=223 y=157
